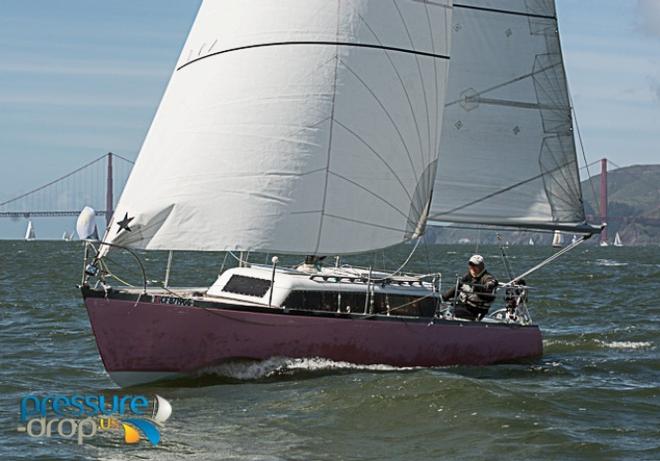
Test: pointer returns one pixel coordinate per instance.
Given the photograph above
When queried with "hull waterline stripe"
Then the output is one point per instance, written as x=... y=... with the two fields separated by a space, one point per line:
x=326 y=43
x=495 y=10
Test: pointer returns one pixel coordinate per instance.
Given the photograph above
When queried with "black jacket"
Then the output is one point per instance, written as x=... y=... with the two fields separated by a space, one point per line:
x=477 y=291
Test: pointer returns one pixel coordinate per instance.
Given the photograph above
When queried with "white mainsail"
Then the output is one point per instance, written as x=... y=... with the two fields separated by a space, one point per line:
x=300 y=126
x=617 y=240
x=507 y=156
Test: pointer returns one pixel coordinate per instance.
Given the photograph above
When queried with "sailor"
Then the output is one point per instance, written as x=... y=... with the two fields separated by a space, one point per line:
x=476 y=291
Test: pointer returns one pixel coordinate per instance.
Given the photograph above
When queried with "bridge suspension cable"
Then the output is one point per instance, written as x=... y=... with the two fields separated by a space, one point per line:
x=69 y=193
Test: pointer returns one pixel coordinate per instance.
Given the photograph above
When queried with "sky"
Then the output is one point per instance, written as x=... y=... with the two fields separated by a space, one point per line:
x=79 y=78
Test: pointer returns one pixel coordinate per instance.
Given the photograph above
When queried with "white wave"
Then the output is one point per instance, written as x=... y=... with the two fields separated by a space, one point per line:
x=278 y=365
x=630 y=345
x=560 y=342
x=609 y=263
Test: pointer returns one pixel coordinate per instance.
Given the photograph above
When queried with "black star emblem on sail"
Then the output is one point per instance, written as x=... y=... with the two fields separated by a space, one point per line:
x=123 y=224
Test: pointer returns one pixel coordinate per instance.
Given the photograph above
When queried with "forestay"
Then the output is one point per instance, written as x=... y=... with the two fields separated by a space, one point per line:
x=298 y=126
x=508 y=154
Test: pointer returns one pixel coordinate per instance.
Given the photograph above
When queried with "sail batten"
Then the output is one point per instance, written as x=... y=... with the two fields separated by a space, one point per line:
x=507 y=155
x=296 y=126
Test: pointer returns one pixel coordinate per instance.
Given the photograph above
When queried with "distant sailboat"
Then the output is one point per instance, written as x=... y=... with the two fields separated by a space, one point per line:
x=67 y=237
x=574 y=239
x=558 y=240
x=29 y=233
x=531 y=242
x=604 y=243
x=617 y=240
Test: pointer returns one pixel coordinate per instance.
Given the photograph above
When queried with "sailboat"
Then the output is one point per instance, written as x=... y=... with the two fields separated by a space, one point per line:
x=30 y=235
x=574 y=239
x=557 y=239
x=617 y=240
x=531 y=242
x=325 y=128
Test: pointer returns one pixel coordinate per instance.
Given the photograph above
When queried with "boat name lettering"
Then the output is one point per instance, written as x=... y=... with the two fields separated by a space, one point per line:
x=174 y=300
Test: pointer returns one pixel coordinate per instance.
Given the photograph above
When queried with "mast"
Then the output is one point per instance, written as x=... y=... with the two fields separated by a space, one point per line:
x=603 y=198
x=108 y=192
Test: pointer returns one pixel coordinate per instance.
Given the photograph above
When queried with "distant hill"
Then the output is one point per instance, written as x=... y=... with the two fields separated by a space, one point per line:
x=633 y=203
x=633 y=207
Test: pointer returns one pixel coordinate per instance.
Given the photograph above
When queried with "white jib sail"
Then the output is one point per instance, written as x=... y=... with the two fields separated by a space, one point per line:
x=298 y=126
x=29 y=232
x=507 y=155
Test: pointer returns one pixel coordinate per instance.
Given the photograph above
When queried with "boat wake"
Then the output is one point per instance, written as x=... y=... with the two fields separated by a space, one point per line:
x=245 y=370
x=625 y=345
x=578 y=344
x=609 y=263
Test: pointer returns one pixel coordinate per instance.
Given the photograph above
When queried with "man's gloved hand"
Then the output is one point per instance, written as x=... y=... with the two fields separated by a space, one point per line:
x=473 y=299
x=467 y=288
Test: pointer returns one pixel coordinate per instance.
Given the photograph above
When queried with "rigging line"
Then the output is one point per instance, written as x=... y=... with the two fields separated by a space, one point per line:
x=501 y=191
x=548 y=260
x=509 y=12
x=426 y=253
x=517 y=79
x=357 y=221
x=584 y=154
x=379 y=156
x=421 y=79
x=54 y=181
x=396 y=128
x=403 y=86
x=316 y=42
x=373 y=194
x=241 y=262
x=123 y=158
x=405 y=263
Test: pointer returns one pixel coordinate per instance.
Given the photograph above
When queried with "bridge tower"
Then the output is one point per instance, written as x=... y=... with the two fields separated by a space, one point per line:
x=603 y=198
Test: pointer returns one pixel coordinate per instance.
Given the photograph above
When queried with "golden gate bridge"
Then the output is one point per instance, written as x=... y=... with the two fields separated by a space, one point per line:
x=93 y=184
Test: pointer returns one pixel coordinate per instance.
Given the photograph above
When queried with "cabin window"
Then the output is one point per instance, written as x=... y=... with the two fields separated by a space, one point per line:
x=341 y=302
x=249 y=286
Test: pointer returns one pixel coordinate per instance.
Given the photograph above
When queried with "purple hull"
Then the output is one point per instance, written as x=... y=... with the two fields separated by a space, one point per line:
x=168 y=340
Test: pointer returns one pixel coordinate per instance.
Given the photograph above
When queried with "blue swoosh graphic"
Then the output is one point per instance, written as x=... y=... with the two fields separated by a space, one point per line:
x=147 y=428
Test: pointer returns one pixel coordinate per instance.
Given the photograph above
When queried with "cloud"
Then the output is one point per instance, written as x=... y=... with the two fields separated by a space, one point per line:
x=648 y=16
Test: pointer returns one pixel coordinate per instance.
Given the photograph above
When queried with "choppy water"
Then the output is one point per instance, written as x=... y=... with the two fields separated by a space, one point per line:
x=593 y=395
